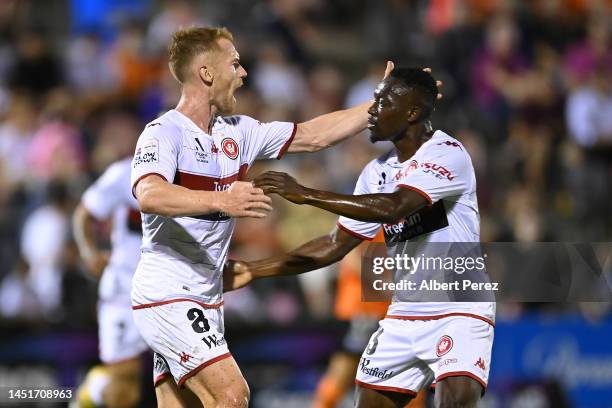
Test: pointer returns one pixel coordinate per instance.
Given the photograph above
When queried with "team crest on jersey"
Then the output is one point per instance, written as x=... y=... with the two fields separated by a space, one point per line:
x=230 y=148
x=445 y=344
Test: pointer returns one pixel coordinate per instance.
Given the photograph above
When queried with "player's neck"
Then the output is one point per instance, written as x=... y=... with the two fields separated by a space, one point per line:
x=197 y=107
x=413 y=138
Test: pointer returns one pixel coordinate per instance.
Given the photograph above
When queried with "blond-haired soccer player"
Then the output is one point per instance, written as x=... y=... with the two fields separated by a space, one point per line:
x=186 y=177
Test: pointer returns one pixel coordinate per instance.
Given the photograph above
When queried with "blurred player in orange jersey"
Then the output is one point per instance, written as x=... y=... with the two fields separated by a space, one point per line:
x=363 y=320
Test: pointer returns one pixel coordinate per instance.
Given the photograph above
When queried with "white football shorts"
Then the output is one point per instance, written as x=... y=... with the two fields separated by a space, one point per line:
x=188 y=334
x=408 y=355
x=119 y=339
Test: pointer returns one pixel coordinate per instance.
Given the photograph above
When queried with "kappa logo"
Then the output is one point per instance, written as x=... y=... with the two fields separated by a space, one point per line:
x=230 y=148
x=445 y=344
x=480 y=363
x=214 y=149
x=184 y=357
x=449 y=143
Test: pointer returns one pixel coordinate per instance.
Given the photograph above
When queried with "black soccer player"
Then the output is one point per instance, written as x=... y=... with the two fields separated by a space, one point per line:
x=423 y=191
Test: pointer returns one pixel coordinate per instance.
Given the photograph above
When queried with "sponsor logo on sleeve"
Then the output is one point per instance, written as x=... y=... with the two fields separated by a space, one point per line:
x=147 y=152
x=437 y=171
x=230 y=148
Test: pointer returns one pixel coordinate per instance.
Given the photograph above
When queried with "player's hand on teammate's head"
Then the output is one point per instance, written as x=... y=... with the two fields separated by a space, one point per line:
x=242 y=199
x=96 y=262
x=236 y=274
x=275 y=182
x=438 y=84
x=390 y=66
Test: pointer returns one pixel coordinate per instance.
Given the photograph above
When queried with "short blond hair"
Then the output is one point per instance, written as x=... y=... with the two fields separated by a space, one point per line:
x=189 y=42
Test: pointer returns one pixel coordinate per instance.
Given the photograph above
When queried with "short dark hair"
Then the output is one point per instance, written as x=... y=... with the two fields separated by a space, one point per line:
x=422 y=81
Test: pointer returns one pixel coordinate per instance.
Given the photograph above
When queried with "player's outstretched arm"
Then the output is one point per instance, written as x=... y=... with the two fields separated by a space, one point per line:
x=329 y=129
x=381 y=208
x=157 y=196
x=83 y=230
x=314 y=254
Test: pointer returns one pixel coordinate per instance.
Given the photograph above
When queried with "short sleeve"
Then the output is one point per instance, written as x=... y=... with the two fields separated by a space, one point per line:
x=443 y=170
x=361 y=229
x=156 y=153
x=265 y=140
x=102 y=197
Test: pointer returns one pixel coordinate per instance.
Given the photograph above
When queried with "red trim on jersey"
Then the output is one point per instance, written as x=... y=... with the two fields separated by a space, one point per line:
x=353 y=233
x=208 y=183
x=416 y=190
x=285 y=147
x=159 y=379
x=165 y=302
x=200 y=367
x=462 y=374
x=385 y=388
x=142 y=177
x=442 y=316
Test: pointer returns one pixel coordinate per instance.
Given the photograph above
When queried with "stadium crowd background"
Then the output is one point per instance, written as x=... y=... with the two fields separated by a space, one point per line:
x=527 y=89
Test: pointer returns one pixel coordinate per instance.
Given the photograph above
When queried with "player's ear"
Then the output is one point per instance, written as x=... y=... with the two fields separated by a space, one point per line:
x=206 y=75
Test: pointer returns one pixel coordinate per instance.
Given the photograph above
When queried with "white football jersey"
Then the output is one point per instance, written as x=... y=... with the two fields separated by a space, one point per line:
x=441 y=171
x=183 y=257
x=110 y=196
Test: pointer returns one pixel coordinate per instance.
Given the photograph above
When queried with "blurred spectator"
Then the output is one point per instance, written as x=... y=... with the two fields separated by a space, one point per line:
x=499 y=57
x=36 y=69
x=16 y=134
x=582 y=59
x=325 y=88
x=43 y=239
x=90 y=69
x=174 y=14
x=56 y=150
x=136 y=69
x=589 y=121
x=18 y=299
x=276 y=80
x=589 y=110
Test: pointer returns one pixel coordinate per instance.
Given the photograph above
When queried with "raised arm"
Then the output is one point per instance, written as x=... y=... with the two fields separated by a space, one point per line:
x=156 y=196
x=331 y=128
x=381 y=208
x=314 y=254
